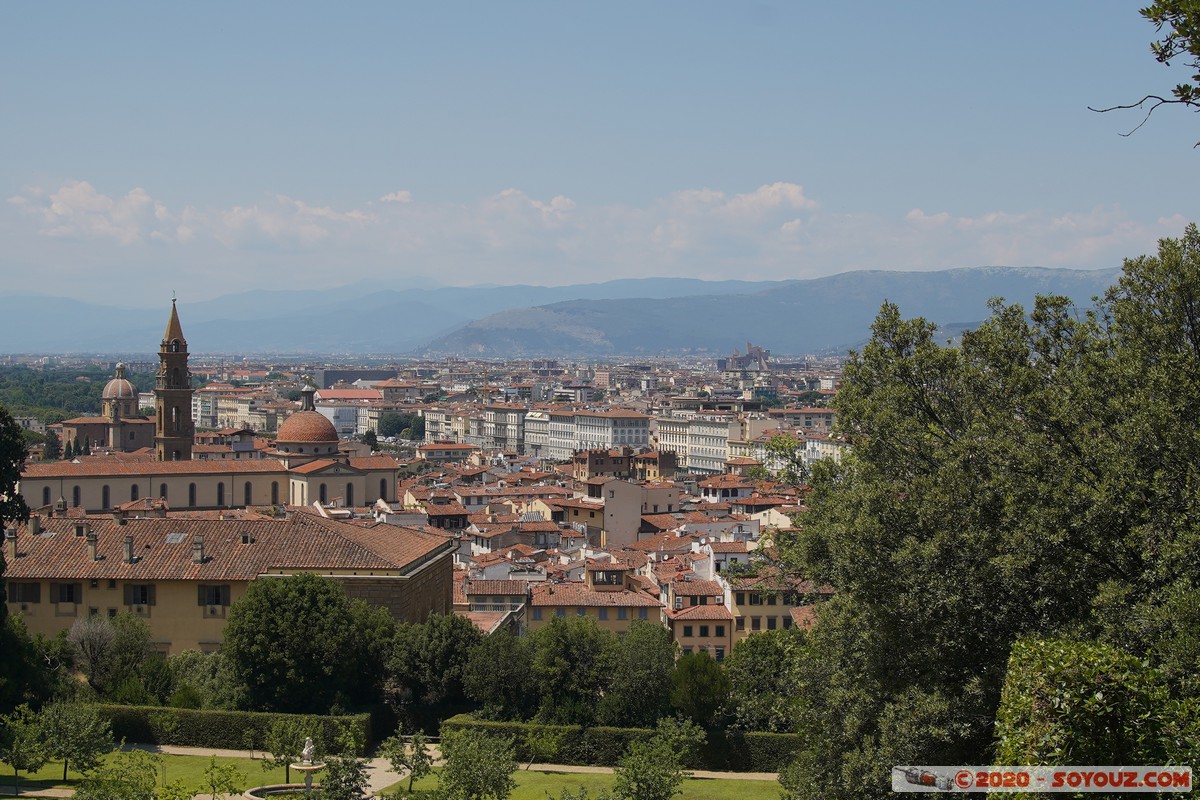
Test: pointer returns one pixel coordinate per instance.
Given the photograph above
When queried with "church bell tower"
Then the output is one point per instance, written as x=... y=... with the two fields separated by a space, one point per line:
x=174 y=430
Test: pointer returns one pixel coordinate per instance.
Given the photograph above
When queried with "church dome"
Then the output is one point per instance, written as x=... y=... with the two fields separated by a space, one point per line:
x=307 y=427
x=119 y=388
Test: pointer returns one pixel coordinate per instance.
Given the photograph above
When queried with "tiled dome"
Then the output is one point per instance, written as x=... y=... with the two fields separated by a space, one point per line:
x=119 y=388
x=307 y=426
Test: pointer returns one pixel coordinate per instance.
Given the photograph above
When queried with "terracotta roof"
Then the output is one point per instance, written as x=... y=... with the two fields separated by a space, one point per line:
x=123 y=467
x=307 y=426
x=705 y=612
x=495 y=587
x=303 y=541
x=728 y=547
x=578 y=594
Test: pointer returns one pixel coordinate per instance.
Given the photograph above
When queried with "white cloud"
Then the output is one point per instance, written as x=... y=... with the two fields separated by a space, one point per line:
x=771 y=232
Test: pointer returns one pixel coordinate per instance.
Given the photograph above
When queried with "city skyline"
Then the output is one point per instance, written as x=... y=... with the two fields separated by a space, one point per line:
x=303 y=146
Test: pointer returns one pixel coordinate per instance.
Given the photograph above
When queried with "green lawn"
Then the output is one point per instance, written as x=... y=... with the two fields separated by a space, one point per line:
x=189 y=769
x=534 y=785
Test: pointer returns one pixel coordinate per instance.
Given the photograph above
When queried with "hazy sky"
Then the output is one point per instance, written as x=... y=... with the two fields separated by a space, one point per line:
x=232 y=146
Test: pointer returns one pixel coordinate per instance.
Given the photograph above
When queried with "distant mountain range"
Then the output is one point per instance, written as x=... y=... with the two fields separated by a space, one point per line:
x=651 y=316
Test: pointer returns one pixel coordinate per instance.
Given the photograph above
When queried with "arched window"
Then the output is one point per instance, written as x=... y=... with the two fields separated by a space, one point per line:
x=246 y=500
x=45 y=495
x=104 y=496
x=162 y=491
x=383 y=488
x=221 y=493
x=349 y=494
x=192 y=494
x=133 y=492
x=175 y=346
x=175 y=420
x=321 y=495
x=75 y=497
x=274 y=493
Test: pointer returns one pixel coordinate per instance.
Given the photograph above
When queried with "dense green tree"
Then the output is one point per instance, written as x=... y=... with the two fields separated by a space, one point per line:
x=1035 y=479
x=1070 y=702
x=478 y=766
x=75 y=735
x=294 y=645
x=206 y=678
x=429 y=659
x=371 y=440
x=763 y=672
x=699 y=687
x=12 y=504
x=53 y=449
x=639 y=689
x=128 y=775
x=497 y=677
x=69 y=452
x=653 y=769
x=571 y=666
x=22 y=741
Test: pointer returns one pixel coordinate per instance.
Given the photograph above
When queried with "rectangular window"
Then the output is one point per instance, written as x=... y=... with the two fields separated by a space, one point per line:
x=537 y=613
x=139 y=594
x=755 y=599
x=720 y=630
x=643 y=613
x=112 y=612
x=756 y=623
x=560 y=613
x=687 y=631
x=622 y=613
x=787 y=623
x=212 y=595
x=602 y=613
x=704 y=630
x=771 y=599
x=771 y=623
x=720 y=654
x=24 y=592
x=741 y=598
x=582 y=612
x=66 y=592
x=687 y=651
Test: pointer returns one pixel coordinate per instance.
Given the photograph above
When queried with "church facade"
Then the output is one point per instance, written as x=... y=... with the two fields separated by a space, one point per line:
x=306 y=466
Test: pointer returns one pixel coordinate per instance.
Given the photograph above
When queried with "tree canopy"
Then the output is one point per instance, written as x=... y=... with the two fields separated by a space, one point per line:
x=1037 y=479
x=298 y=644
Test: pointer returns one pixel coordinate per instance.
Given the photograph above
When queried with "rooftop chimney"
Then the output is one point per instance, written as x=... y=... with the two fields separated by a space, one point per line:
x=129 y=559
x=10 y=545
x=198 y=550
x=35 y=524
x=91 y=545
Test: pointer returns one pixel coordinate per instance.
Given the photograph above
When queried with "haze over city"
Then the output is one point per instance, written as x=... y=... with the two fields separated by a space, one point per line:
x=307 y=145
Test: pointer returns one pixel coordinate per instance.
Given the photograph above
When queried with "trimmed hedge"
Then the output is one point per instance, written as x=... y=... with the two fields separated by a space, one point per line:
x=230 y=730
x=734 y=751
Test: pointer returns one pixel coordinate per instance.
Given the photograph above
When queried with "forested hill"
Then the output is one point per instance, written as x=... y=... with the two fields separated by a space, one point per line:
x=795 y=317
x=654 y=315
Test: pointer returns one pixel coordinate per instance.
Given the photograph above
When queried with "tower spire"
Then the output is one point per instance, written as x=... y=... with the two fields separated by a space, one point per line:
x=174 y=329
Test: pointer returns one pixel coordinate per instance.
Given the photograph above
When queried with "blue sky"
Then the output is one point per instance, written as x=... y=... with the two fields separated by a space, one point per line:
x=237 y=146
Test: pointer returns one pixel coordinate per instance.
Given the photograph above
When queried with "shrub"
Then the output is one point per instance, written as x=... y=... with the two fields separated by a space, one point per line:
x=222 y=729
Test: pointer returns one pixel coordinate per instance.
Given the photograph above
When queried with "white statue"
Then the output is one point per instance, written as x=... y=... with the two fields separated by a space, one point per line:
x=306 y=755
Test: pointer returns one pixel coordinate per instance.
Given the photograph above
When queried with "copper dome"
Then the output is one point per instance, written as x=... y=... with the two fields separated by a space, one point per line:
x=307 y=426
